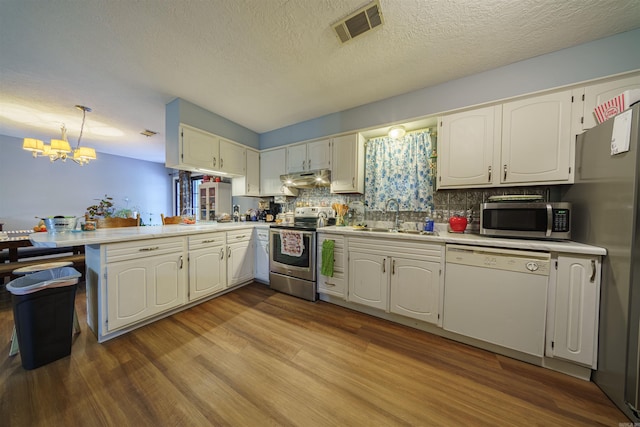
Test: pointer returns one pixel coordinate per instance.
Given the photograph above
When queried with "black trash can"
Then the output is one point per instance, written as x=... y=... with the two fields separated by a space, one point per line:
x=43 y=308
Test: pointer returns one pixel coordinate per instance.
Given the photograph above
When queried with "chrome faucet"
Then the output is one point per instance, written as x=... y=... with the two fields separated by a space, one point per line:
x=386 y=209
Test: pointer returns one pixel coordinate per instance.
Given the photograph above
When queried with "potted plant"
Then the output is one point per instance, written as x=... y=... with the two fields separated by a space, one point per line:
x=104 y=208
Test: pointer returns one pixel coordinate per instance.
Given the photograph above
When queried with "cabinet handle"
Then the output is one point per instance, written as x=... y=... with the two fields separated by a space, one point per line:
x=248 y=187
x=221 y=162
x=505 y=173
x=384 y=265
x=181 y=262
x=303 y=162
x=353 y=182
x=329 y=284
x=489 y=174
x=308 y=164
x=593 y=271
x=214 y=162
x=267 y=248
x=209 y=241
x=241 y=237
x=221 y=253
x=228 y=251
x=393 y=267
x=153 y=248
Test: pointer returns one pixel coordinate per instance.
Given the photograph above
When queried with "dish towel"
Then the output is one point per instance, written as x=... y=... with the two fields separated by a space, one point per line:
x=291 y=243
x=327 y=258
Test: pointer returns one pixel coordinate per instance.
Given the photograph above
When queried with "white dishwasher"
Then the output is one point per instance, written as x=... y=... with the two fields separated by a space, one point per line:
x=497 y=295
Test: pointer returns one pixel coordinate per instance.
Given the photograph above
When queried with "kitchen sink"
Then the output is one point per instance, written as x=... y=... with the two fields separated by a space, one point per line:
x=401 y=231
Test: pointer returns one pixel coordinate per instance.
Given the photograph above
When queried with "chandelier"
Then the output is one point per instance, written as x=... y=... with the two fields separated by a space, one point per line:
x=59 y=149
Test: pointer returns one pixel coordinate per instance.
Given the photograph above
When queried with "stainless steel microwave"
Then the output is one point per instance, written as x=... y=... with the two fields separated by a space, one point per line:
x=530 y=220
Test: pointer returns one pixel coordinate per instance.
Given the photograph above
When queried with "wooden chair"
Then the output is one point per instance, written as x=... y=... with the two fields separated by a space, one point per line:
x=170 y=219
x=115 y=222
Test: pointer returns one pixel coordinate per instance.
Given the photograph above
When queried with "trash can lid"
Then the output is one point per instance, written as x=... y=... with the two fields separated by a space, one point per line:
x=54 y=278
x=40 y=267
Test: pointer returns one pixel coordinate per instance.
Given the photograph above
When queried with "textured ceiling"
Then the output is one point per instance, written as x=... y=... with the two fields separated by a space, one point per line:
x=263 y=64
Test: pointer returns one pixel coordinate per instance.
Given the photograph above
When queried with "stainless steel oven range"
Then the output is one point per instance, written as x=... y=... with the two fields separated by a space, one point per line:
x=292 y=253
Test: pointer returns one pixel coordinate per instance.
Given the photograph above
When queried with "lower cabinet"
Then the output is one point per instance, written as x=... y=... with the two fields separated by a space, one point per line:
x=207 y=265
x=261 y=254
x=240 y=256
x=143 y=278
x=574 y=335
x=402 y=277
x=335 y=284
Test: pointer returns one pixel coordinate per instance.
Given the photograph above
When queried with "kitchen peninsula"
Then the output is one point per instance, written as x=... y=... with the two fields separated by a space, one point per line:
x=137 y=275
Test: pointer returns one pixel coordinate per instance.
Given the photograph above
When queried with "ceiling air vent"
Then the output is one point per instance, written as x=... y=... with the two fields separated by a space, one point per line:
x=359 y=22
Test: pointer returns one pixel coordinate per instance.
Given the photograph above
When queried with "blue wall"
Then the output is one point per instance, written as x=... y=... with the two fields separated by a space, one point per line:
x=604 y=57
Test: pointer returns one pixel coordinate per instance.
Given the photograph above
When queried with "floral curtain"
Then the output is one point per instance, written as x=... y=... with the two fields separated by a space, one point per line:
x=399 y=169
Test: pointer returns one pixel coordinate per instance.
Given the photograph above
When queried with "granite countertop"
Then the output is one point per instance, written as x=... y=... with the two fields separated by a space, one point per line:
x=123 y=234
x=444 y=236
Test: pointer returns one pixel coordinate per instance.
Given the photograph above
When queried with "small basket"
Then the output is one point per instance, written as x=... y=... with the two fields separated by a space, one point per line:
x=60 y=225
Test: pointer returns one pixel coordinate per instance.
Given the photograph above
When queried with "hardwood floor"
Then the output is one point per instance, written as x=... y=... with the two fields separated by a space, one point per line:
x=255 y=357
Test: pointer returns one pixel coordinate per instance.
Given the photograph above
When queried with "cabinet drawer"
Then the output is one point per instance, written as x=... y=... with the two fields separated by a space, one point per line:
x=235 y=236
x=143 y=248
x=207 y=240
x=332 y=285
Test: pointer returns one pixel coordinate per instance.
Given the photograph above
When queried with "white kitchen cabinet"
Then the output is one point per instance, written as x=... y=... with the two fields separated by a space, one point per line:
x=249 y=184
x=415 y=289
x=207 y=264
x=466 y=147
x=261 y=260
x=214 y=198
x=142 y=279
x=369 y=279
x=598 y=93
x=309 y=156
x=575 y=324
x=240 y=256
x=197 y=149
x=401 y=277
x=200 y=151
x=523 y=142
x=347 y=171
x=335 y=285
x=273 y=163
x=232 y=158
x=536 y=140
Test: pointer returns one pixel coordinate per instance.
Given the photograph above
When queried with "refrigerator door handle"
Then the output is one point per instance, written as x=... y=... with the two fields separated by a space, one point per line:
x=549 y=219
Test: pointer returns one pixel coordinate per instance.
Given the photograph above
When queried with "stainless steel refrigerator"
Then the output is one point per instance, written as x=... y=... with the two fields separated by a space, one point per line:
x=605 y=213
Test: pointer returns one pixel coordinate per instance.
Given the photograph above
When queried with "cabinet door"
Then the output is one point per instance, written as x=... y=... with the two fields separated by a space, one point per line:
x=297 y=158
x=576 y=309
x=143 y=287
x=368 y=279
x=272 y=165
x=466 y=148
x=596 y=94
x=232 y=158
x=347 y=168
x=252 y=173
x=319 y=155
x=415 y=289
x=536 y=139
x=207 y=271
x=199 y=149
x=239 y=262
x=261 y=262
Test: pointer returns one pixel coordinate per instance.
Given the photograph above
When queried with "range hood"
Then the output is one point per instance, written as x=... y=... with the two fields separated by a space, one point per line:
x=309 y=179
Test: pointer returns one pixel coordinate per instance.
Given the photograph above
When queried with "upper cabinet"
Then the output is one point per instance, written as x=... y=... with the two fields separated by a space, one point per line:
x=309 y=156
x=347 y=174
x=598 y=93
x=249 y=184
x=524 y=142
x=466 y=147
x=273 y=163
x=197 y=150
x=536 y=140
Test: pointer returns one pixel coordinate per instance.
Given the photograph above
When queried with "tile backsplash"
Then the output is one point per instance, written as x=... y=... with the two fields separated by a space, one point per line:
x=446 y=202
